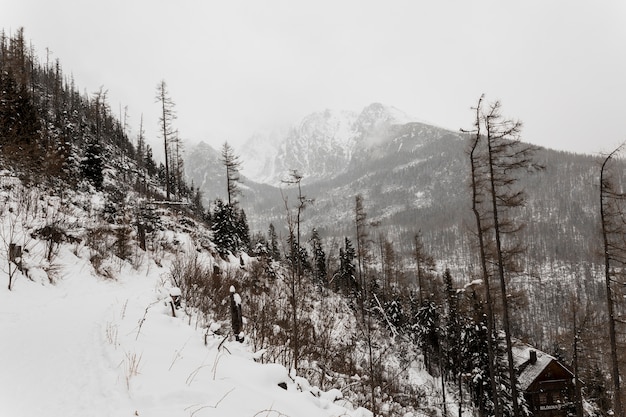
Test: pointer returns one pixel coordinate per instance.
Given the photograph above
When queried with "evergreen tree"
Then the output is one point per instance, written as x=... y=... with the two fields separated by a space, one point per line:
x=319 y=259
x=231 y=232
x=453 y=324
x=476 y=365
x=151 y=167
x=243 y=231
x=395 y=314
x=298 y=257
x=347 y=281
x=92 y=165
x=224 y=228
x=273 y=243
x=426 y=332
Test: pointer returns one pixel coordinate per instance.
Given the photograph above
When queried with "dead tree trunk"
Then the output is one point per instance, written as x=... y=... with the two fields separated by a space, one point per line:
x=476 y=196
x=612 y=228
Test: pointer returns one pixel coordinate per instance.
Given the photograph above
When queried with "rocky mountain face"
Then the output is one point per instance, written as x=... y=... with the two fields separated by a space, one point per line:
x=320 y=147
x=412 y=177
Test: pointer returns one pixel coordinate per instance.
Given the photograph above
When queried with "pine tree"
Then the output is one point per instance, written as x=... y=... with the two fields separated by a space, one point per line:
x=426 y=332
x=453 y=323
x=151 y=167
x=297 y=257
x=347 y=271
x=273 y=243
x=92 y=165
x=243 y=231
x=319 y=259
x=476 y=365
x=224 y=228
x=395 y=313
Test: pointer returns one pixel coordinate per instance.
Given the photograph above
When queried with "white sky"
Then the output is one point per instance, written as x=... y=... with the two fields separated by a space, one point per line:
x=235 y=67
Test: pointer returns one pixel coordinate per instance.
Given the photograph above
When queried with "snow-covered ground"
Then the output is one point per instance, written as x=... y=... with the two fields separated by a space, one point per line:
x=89 y=346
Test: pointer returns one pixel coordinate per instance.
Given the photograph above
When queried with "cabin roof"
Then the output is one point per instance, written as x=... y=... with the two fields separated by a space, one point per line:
x=529 y=372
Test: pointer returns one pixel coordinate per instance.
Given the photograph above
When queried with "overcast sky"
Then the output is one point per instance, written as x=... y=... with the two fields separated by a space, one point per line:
x=235 y=67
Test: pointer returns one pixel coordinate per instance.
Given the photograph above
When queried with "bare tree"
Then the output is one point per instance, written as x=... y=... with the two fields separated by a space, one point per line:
x=101 y=109
x=166 y=120
x=178 y=165
x=423 y=263
x=613 y=219
x=232 y=164
x=477 y=184
x=363 y=258
x=18 y=211
x=497 y=157
x=295 y=257
x=362 y=246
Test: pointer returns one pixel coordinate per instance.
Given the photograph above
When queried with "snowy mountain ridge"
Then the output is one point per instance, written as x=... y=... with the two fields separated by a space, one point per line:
x=320 y=146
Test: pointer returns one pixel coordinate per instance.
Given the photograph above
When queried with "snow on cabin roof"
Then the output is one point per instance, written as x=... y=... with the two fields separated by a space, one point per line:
x=528 y=372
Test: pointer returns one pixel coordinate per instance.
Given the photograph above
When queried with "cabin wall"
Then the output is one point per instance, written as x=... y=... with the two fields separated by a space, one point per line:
x=552 y=393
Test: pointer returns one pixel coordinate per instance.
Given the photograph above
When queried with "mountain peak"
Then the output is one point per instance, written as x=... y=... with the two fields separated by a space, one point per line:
x=320 y=145
x=378 y=115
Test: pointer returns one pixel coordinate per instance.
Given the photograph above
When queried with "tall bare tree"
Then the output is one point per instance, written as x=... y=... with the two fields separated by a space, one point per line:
x=613 y=219
x=166 y=119
x=424 y=264
x=477 y=186
x=498 y=157
x=293 y=223
x=232 y=164
x=363 y=258
x=178 y=166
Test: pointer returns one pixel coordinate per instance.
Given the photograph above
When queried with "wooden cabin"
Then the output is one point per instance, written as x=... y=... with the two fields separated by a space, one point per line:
x=547 y=384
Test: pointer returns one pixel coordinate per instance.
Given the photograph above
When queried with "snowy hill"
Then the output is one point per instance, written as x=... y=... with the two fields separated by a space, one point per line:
x=96 y=346
x=89 y=332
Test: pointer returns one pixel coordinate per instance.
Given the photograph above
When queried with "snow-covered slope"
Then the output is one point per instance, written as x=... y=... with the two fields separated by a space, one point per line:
x=94 y=347
x=74 y=343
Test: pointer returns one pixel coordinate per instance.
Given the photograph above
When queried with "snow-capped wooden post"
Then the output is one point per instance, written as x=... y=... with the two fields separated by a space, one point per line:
x=175 y=299
x=235 y=314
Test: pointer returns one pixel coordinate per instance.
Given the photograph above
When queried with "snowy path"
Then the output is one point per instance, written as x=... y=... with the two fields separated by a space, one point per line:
x=65 y=351
x=51 y=355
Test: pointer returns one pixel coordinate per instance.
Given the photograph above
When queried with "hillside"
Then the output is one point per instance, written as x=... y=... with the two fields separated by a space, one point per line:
x=110 y=347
